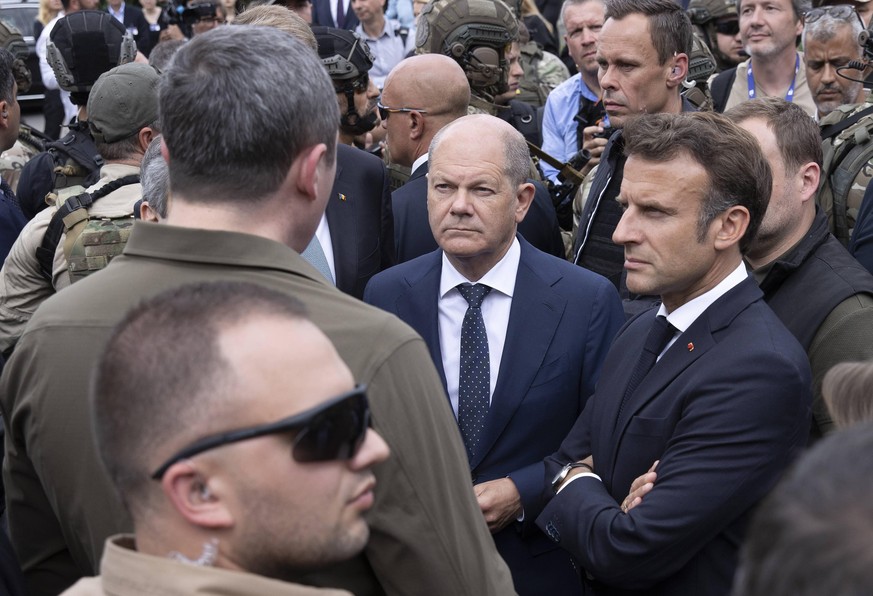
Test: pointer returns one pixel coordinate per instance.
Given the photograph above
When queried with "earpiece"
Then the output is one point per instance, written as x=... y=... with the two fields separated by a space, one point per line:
x=205 y=494
x=5 y=114
x=675 y=71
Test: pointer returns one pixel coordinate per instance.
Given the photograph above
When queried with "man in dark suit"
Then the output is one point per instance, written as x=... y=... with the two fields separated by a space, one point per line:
x=356 y=235
x=359 y=219
x=517 y=387
x=324 y=12
x=134 y=21
x=721 y=400
x=422 y=95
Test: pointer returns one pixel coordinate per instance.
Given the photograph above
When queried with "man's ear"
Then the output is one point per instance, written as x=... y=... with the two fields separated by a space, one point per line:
x=4 y=114
x=416 y=126
x=194 y=499
x=810 y=175
x=144 y=137
x=309 y=176
x=525 y=195
x=732 y=226
x=678 y=70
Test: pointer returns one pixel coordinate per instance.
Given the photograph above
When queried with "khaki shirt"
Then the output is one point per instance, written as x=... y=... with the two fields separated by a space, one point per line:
x=126 y=572
x=22 y=286
x=802 y=94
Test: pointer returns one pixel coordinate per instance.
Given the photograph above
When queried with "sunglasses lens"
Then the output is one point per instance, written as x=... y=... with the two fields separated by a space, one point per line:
x=383 y=113
x=728 y=27
x=336 y=433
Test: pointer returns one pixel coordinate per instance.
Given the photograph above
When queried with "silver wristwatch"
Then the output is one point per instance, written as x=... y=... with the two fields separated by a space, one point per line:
x=559 y=477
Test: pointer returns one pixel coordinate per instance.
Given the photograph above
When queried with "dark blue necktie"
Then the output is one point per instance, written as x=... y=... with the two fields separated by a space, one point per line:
x=340 y=15
x=660 y=333
x=474 y=389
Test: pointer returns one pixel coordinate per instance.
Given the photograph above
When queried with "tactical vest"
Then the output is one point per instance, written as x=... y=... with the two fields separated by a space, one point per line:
x=89 y=244
x=847 y=167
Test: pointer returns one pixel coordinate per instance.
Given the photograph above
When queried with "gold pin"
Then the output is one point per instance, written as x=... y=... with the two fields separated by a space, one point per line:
x=341 y=196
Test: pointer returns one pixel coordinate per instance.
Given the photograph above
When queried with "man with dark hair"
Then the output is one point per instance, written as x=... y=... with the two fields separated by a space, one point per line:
x=12 y=220
x=248 y=222
x=710 y=385
x=642 y=53
x=546 y=324
x=123 y=119
x=821 y=294
x=769 y=30
x=194 y=400
x=812 y=534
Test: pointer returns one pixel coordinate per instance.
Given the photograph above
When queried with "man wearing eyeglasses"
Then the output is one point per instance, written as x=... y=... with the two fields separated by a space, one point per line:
x=769 y=30
x=248 y=220
x=238 y=442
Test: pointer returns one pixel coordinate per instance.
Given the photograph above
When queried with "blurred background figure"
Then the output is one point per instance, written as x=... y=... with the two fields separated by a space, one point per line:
x=847 y=390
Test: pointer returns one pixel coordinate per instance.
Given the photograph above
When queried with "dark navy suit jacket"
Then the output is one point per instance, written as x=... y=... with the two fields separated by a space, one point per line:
x=561 y=323
x=321 y=15
x=413 y=237
x=360 y=220
x=725 y=410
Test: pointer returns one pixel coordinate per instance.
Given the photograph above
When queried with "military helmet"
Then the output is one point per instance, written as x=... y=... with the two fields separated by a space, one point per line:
x=12 y=41
x=345 y=55
x=475 y=33
x=83 y=46
x=704 y=11
x=701 y=63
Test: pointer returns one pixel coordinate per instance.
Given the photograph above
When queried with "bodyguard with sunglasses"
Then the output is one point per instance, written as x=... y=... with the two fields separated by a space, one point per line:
x=248 y=222
x=716 y=23
x=264 y=439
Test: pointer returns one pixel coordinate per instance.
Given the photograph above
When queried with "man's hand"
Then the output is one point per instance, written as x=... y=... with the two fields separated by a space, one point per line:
x=499 y=501
x=640 y=488
x=594 y=146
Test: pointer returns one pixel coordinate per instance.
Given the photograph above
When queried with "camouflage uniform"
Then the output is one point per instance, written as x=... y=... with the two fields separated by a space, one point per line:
x=542 y=73
x=857 y=162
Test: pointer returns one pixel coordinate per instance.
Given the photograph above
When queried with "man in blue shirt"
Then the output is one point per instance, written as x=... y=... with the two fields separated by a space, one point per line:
x=583 y=20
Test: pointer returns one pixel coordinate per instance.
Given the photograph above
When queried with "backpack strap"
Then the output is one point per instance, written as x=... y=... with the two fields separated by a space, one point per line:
x=721 y=88
x=403 y=32
x=74 y=211
x=835 y=129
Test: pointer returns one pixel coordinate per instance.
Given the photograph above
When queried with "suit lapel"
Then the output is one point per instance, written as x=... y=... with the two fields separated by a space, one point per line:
x=419 y=306
x=691 y=345
x=343 y=231
x=534 y=316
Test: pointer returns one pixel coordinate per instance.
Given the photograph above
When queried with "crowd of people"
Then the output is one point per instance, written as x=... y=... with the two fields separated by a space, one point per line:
x=456 y=297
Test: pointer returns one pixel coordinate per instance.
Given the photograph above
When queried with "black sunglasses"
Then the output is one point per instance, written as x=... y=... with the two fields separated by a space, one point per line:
x=729 y=27
x=359 y=85
x=331 y=431
x=385 y=110
x=843 y=12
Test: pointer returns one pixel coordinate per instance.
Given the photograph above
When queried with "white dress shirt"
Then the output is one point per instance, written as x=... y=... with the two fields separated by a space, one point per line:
x=495 y=312
x=323 y=235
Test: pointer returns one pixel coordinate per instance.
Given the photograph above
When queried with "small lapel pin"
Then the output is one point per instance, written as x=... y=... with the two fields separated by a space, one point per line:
x=690 y=347
x=341 y=196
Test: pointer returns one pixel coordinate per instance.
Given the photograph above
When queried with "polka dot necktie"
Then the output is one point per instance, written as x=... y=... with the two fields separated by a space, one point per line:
x=475 y=379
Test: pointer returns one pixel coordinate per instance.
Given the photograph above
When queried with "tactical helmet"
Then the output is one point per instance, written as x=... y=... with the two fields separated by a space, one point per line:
x=83 y=46
x=701 y=63
x=347 y=59
x=475 y=33
x=704 y=11
x=345 y=55
x=12 y=41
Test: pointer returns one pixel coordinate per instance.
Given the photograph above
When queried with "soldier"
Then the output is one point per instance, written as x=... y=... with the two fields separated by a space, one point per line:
x=717 y=24
x=482 y=36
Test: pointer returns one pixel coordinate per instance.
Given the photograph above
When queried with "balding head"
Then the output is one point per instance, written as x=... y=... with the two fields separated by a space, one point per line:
x=436 y=88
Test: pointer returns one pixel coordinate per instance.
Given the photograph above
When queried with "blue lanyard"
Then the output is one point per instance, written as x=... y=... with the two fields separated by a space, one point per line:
x=788 y=96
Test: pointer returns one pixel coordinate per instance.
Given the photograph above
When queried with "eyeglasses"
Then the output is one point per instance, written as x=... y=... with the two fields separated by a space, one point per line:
x=385 y=110
x=729 y=27
x=844 y=12
x=331 y=431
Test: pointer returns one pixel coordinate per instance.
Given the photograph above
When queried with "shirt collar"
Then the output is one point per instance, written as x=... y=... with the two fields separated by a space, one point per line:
x=419 y=162
x=501 y=277
x=685 y=315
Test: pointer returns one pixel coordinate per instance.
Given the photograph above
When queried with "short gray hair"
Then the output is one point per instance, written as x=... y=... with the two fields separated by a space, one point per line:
x=155 y=178
x=827 y=25
x=235 y=117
